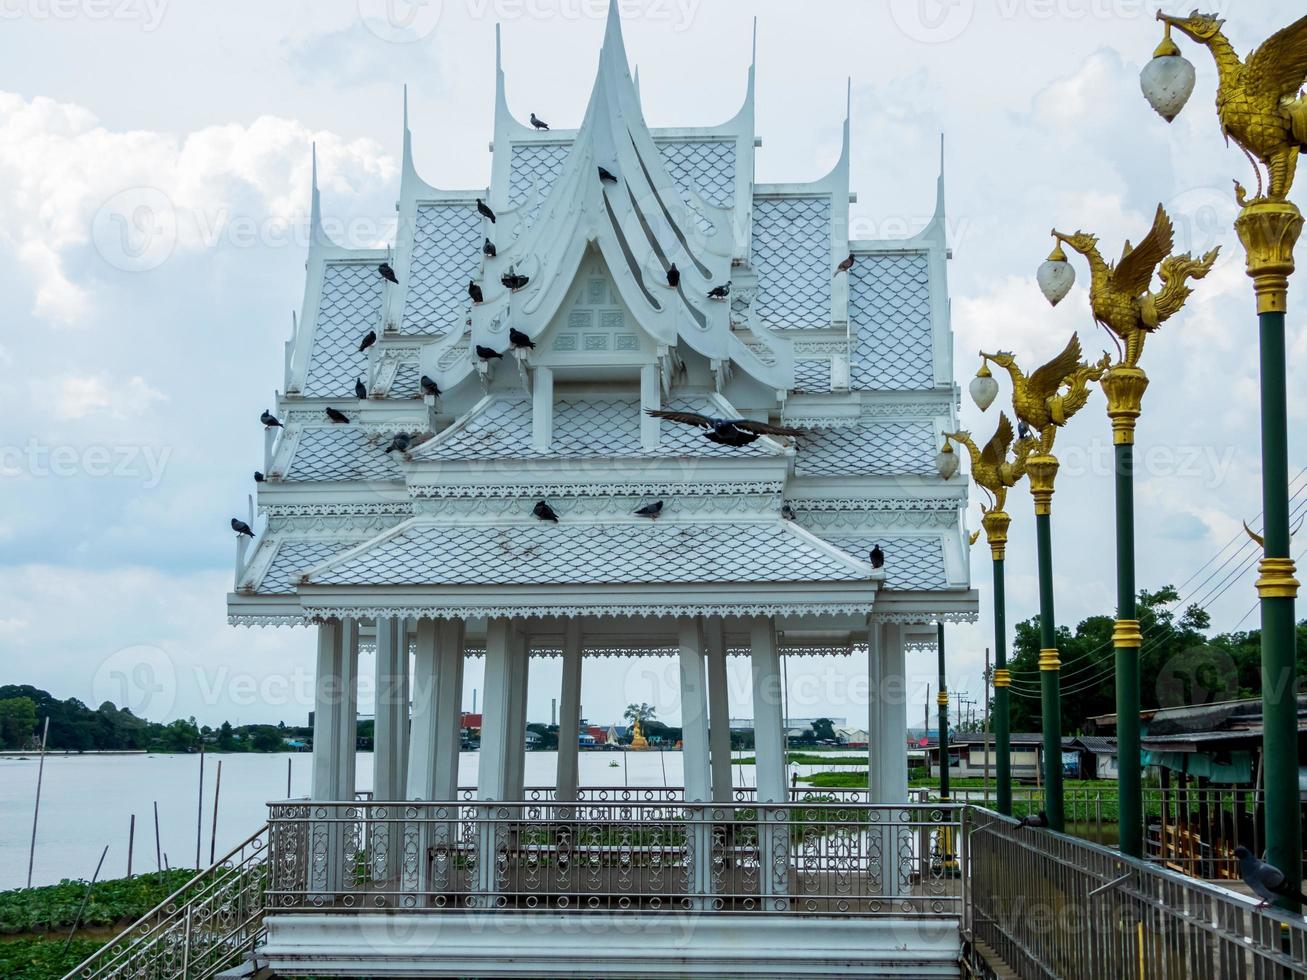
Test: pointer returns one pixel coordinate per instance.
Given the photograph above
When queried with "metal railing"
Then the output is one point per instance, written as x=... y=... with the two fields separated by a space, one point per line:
x=206 y=926
x=823 y=858
x=1054 y=906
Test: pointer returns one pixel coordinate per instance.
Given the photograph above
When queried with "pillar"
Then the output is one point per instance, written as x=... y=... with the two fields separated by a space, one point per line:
x=694 y=753
x=569 y=721
x=493 y=764
x=769 y=753
x=888 y=780
x=519 y=652
x=330 y=845
x=390 y=731
x=719 y=729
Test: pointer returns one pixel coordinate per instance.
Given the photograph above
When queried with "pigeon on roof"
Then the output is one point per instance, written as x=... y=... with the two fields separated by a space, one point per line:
x=673 y=276
x=387 y=273
x=337 y=416
x=483 y=209
x=726 y=432
x=720 y=292
x=270 y=420
x=474 y=291
x=513 y=280
x=607 y=176
x=240 y=527
x=259 y=477
x=544 y=512
x=400 y=442
x=429 y=387
x=844 y=266
x=787 y=512
x=877 y=557
x=368 y=340
x=360 y=389
x=519 y=339
x=538 y=123
x=1266 y=880
x=650 y=511
x=489 y=249
x=487 y=353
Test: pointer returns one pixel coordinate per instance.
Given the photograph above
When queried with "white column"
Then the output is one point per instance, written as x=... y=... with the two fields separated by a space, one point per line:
x=893 y=717
x=542 y=414
x=694 y=755
x=330 y=846
x=349 y=708
x=449 y=707
x=874 y=636
x=492 y=760
x=650 y=398
x=327 y=714
x=569 y=719
x=887 y=737
x=719 y=728
x=390 y=730
x=422 y=738
x=769 y=752
x=519 y=642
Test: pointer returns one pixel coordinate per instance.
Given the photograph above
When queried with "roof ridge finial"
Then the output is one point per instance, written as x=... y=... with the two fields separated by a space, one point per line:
x=614 y=43
x=939 y=183
x=315 y=198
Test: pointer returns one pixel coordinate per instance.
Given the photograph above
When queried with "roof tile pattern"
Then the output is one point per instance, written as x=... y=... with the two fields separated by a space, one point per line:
x=590 y=554
x=535 y=165
x=889 y=310
x=705 y=166
x=406 y=383
x=791 y=254
x=294 y=557
x=911 y=561
x=881 y=449
x=812 y=375
x=447 y=244
x=583 y=427
x=341 y=452
x=350 y=306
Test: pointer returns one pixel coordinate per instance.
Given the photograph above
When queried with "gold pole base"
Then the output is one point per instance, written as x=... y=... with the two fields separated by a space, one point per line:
x=1277 y=580
x=1124 y=386
x=1002 y=678
x=1042 y=472
x=1126 y=634
x=942 y=699
x=1049 y=660
x=1269 y=230
x=995 y=523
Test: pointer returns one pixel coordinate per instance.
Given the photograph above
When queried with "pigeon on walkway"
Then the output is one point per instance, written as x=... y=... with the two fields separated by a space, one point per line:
x=429 y=387
x=1266 y=880
x=270 y=420
x=844 y=266
x=367 y=341
x=360 y=389
x=519 y=339
x=673 y=276
x=544 y=512
x=650 y=511
x=474 y=291
x=483 y=209
x=337 y=416
x=489 y=250
x=259 y=477
x=240 y=527
x=400 y=442
x=720 y=292
x=1037 y=820
x=877 y=557
x=487 y=353
x=726 y=432
x=538 y=123
x=606 y=176
x=387 y=273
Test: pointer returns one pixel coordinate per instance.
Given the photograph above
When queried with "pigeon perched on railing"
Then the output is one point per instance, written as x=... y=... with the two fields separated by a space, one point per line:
x=538 y=123
x=360 y=389
x=369 y=339
x=844 y=266
x=487 y=353
x=240 y=527
x=270 y=420
x=544 y=512
x=489 y=249
x=259 y=477
x=1037 y=820
x=520 y=340
x=483 y=209
x=720 y=292
x=337 y=416
x=429 y=387
x=877 y=557
x=387 y=273
x=650 y=511
x=400 y=442
x=726 y=432
x=1266 y=880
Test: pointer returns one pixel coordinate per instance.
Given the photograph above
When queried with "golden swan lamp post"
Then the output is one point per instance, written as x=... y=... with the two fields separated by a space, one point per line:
x=1121 y=301
x=1260 y=106
x=1044 y=401
x=994 y=472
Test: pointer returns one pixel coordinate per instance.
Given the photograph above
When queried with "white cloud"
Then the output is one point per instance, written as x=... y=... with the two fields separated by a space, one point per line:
x=77 y=397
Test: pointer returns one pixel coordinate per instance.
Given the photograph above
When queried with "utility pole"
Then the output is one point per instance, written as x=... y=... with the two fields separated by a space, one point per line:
x=988 y=677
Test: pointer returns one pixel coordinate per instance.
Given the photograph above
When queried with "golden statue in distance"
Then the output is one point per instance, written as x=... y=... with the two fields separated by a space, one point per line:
x=991 y=469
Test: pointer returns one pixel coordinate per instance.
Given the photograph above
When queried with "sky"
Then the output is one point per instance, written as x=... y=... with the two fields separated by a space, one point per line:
x=154 y=175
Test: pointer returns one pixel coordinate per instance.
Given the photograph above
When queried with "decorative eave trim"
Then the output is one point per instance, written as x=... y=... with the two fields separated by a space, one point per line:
x=777 y=608
x=508 y=488
x=876 y=504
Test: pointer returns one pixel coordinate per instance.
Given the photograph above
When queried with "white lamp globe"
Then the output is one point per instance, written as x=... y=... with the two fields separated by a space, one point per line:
x=946 y=461
x=1168 y=80
x=983 y=388
x=1056 y=276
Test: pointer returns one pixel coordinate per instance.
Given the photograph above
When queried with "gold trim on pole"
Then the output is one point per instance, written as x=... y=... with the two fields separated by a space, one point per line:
x=1277 y=579
x=942 y=699
x=1049 y=660
x=1269 y=230
x=1002 y=678
x=1124 y=387
x=1126 y=634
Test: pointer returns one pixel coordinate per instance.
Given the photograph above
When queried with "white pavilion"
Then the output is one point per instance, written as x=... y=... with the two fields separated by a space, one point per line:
x=432 y=552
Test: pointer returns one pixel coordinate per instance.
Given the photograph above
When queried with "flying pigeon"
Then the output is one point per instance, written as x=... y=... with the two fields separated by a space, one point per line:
x=607 y=176
x=720 y=292
x=877 y=557
x=486 y=353
x=429 y=387
x=513 y=281
x=474 y=291
x=387 y=273
x=259 y=477
x=650 y=511
x=483 y=209
x=489 y=249
x=1037 y=820
x=519 y=339
x=673 y=276
x=1266 y=880
x=368 y=341
x=538 y=123
x=544 y=512
x=337 y=416
x=726 y=432
x=360 y=389
x=844 y=266
x=270 y=420
x=240 y=527
x=400 y=442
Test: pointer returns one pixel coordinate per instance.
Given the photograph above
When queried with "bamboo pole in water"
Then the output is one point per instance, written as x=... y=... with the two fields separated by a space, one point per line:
x=158 y=851
x=36 y=810
x=131 y=843
x=213 y=826
x=288 y=761
x=199 y=810
x=85 y=898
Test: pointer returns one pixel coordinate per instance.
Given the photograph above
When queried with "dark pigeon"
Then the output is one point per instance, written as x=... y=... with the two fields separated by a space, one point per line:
x=513 y=281
x=483 y=209
x=787 y=511
x=1023 y=430
x=489 y=249
x=259 y=477
x=368 y=341
x=844 y=266
x=401 y=442
x=673 y=276
x=726 y=432
x=1037 y=820
x=270 y=420
x=429 y=387
x=544 y=512
x=877 y=557
x=519 y=339
x=487 y=353
x=474 y=291
x=387 y=273
x=240 y=527
x=720 y=292
x=538 y=123
x=337 y=416
x=607 y=176
x=650 y=511
x=1266 y=880
x=360 y=389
